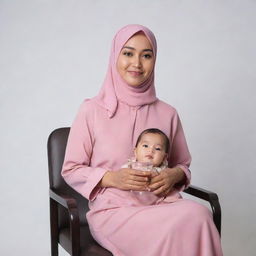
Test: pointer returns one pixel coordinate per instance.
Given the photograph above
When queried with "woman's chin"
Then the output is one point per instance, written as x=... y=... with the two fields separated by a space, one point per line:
x=134 y=82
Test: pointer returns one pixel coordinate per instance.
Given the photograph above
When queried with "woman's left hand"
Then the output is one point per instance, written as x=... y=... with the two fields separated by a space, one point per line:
x=164 y=182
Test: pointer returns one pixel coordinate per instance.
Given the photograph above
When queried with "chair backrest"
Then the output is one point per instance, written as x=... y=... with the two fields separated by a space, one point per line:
x=56 y=147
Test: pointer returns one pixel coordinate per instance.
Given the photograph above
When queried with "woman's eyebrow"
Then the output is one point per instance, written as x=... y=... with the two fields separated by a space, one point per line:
x=131 y=48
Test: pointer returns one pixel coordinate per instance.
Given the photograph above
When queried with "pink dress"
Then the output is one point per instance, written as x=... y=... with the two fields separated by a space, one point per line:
x=98 y=143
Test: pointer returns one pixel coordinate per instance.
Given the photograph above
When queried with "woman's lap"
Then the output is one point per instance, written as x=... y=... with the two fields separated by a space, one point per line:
x=158 y=228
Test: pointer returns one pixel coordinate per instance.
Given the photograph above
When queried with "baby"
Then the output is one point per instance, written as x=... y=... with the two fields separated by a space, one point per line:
x=151 y=148
x=150 y=154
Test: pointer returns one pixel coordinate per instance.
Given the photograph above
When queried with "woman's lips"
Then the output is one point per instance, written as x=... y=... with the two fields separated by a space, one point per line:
x=135 y=73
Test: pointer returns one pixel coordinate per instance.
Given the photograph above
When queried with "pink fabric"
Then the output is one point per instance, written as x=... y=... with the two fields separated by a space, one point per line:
x=114 y=88
x=98 y=143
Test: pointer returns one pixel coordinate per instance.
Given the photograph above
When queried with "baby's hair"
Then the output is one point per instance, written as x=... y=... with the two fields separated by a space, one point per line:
x=155 y=131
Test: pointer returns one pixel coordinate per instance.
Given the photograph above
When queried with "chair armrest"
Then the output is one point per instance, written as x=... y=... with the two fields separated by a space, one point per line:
x=201 y=193
x=212 y=198
x=71 y=205
x=66 y=201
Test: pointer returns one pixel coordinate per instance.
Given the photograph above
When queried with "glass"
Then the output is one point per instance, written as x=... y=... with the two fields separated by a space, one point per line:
x=141 y=166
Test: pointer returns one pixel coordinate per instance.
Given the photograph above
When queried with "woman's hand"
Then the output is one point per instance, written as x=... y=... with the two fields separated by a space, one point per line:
x=164 y=182
x=126 y=179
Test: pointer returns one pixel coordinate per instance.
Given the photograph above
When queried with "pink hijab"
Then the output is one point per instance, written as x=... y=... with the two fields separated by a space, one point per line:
x=114 y=88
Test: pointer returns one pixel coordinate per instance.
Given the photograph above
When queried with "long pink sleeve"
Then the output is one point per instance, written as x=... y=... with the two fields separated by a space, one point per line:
x=76 y=170
x=179 y=153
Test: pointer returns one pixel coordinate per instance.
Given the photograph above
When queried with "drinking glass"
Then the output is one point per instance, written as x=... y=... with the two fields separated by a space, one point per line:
x=142 y=166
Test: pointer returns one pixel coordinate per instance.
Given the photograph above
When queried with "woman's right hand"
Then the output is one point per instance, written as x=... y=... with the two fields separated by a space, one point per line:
x=126 y=179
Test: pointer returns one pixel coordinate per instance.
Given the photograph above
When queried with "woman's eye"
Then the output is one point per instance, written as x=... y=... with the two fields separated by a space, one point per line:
x=127 y=54
x=147 y=56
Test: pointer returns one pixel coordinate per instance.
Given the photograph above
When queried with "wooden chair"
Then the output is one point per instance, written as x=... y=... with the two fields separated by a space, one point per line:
x=69 y=227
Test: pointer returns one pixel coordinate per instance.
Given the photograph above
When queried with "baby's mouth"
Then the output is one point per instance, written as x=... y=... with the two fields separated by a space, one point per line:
x=149 y=156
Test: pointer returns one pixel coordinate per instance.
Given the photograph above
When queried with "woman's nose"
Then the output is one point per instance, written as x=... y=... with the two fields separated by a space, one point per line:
x=137 y=62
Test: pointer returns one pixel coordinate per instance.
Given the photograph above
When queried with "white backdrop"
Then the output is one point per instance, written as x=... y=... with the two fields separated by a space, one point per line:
x=54 y=53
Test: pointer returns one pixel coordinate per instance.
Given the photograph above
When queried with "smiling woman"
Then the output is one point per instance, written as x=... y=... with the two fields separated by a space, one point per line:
x=103 y=137
x=136 y=60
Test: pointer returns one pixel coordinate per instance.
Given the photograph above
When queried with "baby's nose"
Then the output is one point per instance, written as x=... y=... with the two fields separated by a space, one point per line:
x=151 y=150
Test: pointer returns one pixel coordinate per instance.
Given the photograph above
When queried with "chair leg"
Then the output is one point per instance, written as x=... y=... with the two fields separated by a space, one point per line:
x=54 y=227
x=74 y=231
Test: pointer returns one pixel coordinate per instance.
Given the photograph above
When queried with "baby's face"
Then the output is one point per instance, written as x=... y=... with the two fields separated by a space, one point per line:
x=151 y=149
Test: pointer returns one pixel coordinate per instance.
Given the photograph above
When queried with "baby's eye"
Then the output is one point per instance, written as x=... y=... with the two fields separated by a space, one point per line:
x=145 y=145
x=129 y=54
x=159 y=149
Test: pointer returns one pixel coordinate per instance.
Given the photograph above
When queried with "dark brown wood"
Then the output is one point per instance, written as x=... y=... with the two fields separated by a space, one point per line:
x=74 y=231
x=54 y=227
x=70 y=204
x=67 y=201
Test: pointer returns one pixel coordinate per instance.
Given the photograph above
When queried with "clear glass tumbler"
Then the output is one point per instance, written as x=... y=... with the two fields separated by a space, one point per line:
x=142 y=166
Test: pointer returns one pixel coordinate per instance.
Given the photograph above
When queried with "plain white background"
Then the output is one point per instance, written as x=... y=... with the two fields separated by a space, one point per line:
x=54 y=53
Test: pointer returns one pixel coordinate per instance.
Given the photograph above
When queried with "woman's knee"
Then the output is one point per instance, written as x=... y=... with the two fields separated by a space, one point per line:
x=197 y=211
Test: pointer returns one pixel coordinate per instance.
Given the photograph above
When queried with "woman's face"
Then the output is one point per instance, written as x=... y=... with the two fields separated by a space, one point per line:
x=136 y=60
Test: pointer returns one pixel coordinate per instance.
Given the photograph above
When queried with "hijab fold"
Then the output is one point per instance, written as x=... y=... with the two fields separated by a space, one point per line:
x=114 y=88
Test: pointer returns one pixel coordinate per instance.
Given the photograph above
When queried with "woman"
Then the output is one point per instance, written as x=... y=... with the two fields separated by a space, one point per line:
x=103 y=137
